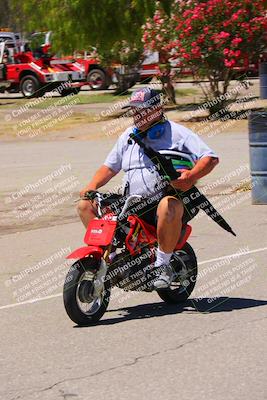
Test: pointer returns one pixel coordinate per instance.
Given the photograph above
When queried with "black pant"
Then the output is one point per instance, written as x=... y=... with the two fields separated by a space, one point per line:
x=146 y=208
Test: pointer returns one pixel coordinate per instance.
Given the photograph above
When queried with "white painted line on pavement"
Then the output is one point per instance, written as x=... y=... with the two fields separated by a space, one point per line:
x=30 y=301
x=232 y=255
x=200 y=263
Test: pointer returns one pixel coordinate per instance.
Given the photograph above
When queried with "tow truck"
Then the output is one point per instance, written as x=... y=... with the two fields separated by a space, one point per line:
x=33 y=71
x=97 y=76
x=150 y=67
x=100 y=78
x=4 y=83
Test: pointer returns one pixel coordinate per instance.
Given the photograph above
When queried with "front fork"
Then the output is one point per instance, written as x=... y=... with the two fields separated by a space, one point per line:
x=100 y=276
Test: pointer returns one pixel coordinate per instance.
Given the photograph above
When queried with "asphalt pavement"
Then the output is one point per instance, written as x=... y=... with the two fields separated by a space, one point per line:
x=213 y=347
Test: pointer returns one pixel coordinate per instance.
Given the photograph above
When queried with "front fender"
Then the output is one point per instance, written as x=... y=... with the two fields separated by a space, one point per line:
x=85 y=251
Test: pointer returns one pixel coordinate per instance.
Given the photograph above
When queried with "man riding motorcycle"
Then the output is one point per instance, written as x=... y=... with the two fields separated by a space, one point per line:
x=166 y=210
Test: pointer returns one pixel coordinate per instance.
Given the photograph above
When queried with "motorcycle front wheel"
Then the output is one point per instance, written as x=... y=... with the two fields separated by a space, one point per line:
x=184 y=263
x=81 y=305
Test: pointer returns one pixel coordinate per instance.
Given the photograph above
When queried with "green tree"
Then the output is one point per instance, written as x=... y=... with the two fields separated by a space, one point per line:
x=112 y=26
x=76 y=24
x=157 y=36
x=10 y=16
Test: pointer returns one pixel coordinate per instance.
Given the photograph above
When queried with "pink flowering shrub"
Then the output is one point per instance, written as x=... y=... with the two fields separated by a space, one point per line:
x=218 y=33
x=211 y=37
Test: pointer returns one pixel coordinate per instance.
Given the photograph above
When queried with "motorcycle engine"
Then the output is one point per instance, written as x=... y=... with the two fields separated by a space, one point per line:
x=133 y=273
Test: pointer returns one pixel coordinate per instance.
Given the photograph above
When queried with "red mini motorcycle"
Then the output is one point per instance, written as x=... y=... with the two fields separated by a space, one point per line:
x=120 y=251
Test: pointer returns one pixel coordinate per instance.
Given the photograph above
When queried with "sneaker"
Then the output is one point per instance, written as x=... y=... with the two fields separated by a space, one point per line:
x=164 y=280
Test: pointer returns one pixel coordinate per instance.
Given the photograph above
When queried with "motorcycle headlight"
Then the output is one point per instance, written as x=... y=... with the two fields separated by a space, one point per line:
x=49 y=77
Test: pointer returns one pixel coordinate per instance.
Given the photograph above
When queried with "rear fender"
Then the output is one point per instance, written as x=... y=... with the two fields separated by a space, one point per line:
x=186 y=231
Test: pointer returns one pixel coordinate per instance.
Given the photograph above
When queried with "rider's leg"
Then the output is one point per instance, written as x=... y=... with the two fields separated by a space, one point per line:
x=86 y=211
x=170 y=213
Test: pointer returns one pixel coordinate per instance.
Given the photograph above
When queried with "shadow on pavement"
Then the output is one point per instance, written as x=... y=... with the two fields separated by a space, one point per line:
x=205 y=306
x=223 y=304
x=12 y=98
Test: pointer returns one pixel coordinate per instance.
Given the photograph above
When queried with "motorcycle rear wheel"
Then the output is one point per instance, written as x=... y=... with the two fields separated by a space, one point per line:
x=184 y=262
x=80 y=305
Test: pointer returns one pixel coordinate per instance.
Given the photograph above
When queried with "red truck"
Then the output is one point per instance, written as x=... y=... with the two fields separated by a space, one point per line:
x=100 y=78
x=150 y=67
x=4 y=83
x=33 y=71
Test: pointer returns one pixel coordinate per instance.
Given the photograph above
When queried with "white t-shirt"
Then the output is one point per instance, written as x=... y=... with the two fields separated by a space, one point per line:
x=140 y=172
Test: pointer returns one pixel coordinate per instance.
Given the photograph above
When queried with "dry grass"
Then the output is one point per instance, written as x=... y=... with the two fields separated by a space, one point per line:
x=243 y=187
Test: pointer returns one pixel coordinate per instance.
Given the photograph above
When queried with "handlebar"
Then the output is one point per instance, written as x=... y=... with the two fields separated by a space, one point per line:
x=94 y=195
x=98 y=197
x=90 y=195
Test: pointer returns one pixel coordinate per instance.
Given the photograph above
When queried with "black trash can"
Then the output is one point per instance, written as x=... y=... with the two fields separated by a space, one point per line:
x=258 y=156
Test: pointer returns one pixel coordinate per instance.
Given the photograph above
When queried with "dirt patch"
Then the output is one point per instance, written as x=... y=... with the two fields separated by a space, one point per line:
x=20 y=217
